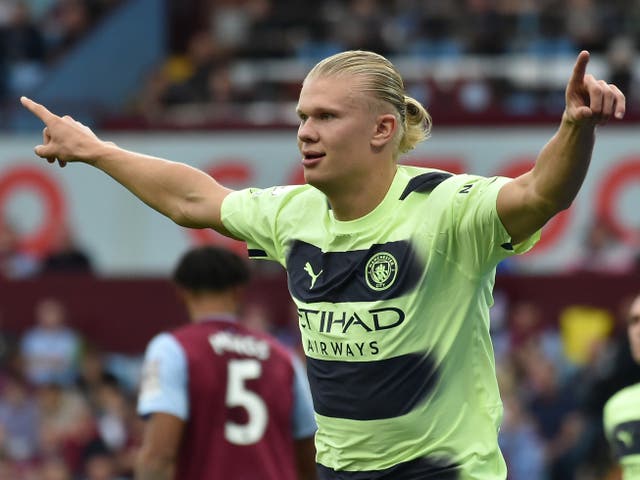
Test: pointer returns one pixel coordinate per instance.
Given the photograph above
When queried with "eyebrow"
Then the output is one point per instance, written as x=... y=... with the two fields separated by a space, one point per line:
x=316 y=110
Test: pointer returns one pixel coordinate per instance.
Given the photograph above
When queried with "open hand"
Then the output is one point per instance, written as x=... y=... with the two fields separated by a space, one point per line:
x=590 y=101
x=63 y=138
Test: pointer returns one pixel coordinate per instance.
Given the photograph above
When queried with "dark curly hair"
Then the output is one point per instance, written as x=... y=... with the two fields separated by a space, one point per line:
x=210 y=268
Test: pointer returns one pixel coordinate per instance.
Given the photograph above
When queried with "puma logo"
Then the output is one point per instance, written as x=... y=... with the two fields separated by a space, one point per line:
x=314 y=276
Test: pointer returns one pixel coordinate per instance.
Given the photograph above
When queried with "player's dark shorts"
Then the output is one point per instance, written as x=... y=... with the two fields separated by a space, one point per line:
x=418 y=469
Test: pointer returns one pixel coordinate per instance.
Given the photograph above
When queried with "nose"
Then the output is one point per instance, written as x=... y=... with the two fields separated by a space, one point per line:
x=306 y=132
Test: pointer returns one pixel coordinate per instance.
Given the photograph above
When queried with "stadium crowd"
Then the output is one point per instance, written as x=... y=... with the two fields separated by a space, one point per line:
x=215 y=50
x=67 y=407
x=34 y=34
x=203 y=65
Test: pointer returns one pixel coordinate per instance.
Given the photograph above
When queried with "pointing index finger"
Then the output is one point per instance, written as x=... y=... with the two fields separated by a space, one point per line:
x=38 y=110
x=580 y=68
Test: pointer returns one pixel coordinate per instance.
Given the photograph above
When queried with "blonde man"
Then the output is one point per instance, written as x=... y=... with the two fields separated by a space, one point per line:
x=391 y=267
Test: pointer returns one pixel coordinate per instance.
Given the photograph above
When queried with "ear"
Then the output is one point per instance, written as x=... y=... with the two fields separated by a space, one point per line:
x=386 y=126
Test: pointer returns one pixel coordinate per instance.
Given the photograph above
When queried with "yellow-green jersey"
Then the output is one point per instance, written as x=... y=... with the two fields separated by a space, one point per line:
x=393 y=309
x=622 y=427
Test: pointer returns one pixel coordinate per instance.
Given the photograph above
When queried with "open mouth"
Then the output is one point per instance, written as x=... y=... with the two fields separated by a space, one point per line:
x=313 y=155
x=310 y=159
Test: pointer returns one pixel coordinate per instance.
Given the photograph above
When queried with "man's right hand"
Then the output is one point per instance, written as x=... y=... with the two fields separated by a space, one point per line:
x=63 y=138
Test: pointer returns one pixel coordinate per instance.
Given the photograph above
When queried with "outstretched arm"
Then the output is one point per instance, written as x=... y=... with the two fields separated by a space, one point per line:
x=186 y=195
x=529 y=201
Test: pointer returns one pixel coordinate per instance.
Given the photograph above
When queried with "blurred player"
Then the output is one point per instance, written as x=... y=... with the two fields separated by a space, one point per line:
x=223 y=401
x=622 y=411
x=391 y=267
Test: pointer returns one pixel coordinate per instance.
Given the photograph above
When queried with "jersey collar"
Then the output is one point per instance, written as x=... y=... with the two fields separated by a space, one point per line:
x=378 y=214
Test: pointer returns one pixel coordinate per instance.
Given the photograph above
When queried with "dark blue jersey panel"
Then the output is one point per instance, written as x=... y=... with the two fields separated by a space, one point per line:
x=424 y=183
x=257 y=253
x=336 y=277
x=418 y=469
x=370 y=390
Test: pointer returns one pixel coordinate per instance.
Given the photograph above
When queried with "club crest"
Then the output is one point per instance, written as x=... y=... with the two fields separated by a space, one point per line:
x=381 y=271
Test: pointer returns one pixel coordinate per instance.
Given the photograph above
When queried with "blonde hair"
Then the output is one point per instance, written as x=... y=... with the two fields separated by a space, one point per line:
x=384 y=83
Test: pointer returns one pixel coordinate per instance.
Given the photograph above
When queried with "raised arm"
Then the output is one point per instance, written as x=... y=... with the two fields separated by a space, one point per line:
x=529 y=201
x=186 y=195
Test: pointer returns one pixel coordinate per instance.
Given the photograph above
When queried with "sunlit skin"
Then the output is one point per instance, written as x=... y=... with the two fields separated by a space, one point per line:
x=633 y=329
x=346 y=144
x=527 y=203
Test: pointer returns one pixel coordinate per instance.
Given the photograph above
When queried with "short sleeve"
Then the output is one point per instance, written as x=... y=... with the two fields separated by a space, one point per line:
x=480 y=236
x=164 y=379
x=252 y=215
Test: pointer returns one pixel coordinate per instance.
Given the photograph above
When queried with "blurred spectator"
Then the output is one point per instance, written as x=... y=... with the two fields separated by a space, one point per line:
x=66 y=256
x=486 y=28
x=67 y=425
x=51 y=348
x=65 y=24
x=14 y=263
x=266 y=35
x=127 y=369
x=10 y=470
x=317 y=43
x=551 y=39
x=197 y=63
x=475 y=95
x=100 y=464
x=229 y=23
x=436 y=37
x=54 y=468
x=558 y=419
x=530 y=333
x=19 y=420
x=361 y=27
x=189 y=77
x=604 y=252
x=112 y=416
x=6 y=10
x=8 y=347
x=93 y=374
x=621 y=55
x=584 y=25
x=127 y=455
x=22 y=49
x=520 y=443
x=114 y=412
